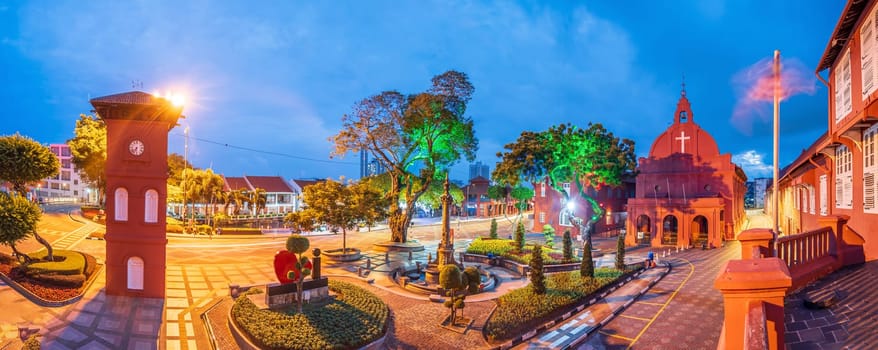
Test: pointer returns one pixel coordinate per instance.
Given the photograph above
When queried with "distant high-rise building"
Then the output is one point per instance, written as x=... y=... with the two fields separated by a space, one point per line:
x=364 y=163
x=66 y=185
x=478 y=169
x=760 y=185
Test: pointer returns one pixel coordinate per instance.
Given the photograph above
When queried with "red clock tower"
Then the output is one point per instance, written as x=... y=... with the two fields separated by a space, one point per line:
x=136 y=174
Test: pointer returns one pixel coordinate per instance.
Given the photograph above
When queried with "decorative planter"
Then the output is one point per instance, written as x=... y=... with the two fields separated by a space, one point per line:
x=352 y=254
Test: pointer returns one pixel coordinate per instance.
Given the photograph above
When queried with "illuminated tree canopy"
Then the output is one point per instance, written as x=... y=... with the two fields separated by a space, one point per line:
x=567 y=154
x=416 y=138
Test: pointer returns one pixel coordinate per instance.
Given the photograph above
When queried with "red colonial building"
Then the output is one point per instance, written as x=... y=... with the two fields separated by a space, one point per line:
x=688 y=194
x=833 y=182
x=551 y=209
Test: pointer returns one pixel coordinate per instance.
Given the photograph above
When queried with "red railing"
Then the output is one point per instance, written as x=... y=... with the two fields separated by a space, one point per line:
x=801 y=249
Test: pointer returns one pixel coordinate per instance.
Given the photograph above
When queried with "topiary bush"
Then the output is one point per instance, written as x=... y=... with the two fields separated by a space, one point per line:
x=537 y=279
x=67 y=262
x=567 y=243
x=586 y=268
x=620 y=252
x=355 y=318
x=494 y=228
x=549 y=233
x=32 y=343
x=519 y=236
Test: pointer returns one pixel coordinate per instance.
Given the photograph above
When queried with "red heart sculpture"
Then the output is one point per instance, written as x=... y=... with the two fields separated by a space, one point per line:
x=284 y=261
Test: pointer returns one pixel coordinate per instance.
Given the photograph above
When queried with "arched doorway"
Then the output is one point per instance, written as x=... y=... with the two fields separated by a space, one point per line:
x=669 y=230
x=698 y=231
x=644 y=229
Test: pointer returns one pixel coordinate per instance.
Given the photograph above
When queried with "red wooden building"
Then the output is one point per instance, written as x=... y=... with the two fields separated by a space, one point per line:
x=550 y=208
x=688 y=194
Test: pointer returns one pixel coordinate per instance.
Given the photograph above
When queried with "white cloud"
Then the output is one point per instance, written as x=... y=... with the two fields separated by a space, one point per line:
x=753 y=164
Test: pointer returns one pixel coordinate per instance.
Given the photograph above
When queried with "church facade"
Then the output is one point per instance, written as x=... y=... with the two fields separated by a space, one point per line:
x=687 y=193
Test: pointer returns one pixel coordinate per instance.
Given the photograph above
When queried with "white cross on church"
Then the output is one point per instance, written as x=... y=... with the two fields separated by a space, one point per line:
x=682 y=139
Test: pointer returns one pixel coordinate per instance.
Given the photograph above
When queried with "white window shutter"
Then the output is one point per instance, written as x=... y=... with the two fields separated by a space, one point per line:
x=849 y=191
x=867 y=55
x=839 y=192
x=847 y=89
x=868 y=191
x=824 y=201
x=837 y=88
x=811 y=199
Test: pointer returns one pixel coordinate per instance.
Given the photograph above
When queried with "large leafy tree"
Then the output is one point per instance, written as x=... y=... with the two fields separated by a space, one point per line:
x=432 y=197
x=201 y=186
x=427 y=131
x=590 y=157
x=176 y=164
x=89 y=150
x=18 y=219
x=24 y=161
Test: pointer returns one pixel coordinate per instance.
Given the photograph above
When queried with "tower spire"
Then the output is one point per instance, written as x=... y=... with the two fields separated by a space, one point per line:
x=683 y=86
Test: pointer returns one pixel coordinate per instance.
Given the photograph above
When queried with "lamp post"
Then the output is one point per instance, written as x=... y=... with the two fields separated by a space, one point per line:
x=777 y=92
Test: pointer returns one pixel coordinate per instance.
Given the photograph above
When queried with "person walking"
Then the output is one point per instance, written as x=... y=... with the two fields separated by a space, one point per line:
x=650 y=260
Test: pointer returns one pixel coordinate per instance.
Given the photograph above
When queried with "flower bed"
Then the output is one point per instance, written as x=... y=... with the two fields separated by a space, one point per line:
x=356 y=318
x=506 y=249
x=521 y=310
x=47 y=284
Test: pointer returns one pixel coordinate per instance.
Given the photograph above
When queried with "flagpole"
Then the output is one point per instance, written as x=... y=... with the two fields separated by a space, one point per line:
x=774 y=189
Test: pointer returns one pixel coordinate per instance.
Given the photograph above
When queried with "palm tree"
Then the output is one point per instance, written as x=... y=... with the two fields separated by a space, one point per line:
x=257 y=199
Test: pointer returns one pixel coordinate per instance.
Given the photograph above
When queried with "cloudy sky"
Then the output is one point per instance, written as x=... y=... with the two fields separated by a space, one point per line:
x=275 y=78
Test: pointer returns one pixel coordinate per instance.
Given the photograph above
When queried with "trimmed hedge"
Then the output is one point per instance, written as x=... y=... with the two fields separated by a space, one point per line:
x=522 y=309
x=506 y=249
x=67 y=262
x=356 y=318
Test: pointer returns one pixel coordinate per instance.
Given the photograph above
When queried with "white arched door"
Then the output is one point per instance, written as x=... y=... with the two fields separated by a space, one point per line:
x=135 y=273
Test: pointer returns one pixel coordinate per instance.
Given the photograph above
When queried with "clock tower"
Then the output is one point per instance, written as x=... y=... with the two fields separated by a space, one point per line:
x=136 y=174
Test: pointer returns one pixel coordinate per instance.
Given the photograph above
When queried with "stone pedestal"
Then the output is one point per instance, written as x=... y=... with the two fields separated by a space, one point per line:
x=751 y=284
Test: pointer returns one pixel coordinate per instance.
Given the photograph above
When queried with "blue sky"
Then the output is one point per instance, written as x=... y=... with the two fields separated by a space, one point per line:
x=279 y=75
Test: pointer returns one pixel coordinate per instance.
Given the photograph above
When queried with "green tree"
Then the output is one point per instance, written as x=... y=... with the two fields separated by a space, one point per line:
x=176 y=164
x=24 y=161
x=591 y=157
x=498 y=193
x=427 y=131
x=89 y=150
x=567 y=250
x=298 y=245
x=457 y=285
x=257 y=199
x=18 y=219
x=201 y=186
x=336 y=205
x=519 y=237
x=301 y=221
x=549 y=233
x=431 y=197
x=494 y=228
x=620 y=252
x=537 y=279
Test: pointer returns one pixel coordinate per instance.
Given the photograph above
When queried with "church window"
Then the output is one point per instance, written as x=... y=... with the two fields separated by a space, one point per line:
x=121 y=204
x=542 y=217
x=566 y=187
x=843 y=178
x=824 y=200
x=683 y=117
x=151 y=207
x=542 y=189
x=842 y=91
x=870 y=170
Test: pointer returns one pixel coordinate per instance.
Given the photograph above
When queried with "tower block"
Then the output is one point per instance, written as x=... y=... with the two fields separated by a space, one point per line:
x=136 y=174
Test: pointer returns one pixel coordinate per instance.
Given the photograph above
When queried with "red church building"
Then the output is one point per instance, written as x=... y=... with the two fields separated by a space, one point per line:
x=687 y=193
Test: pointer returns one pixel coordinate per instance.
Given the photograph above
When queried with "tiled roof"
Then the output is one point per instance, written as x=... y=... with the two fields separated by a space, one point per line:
x=133 y=97
x=269 y=183
x=236 y=183
x=843 y=32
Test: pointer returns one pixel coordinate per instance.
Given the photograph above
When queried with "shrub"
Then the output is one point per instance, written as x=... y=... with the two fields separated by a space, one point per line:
x=67 y=262
x=497 y=247
x=519 y=236
x=59 y=280
x=537 y=280
x=522 y=309
x=90 y=264
x=620 y=252
x=568 y=246
x=586 y=268
x=549 y=233
x=32 y=343
x=174 y=228
x=356 y=318
x=494 y=228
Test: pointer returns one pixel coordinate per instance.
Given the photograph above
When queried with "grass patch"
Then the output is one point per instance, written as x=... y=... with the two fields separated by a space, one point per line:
x=355 y=318
x=67 y=262
x=521 y=310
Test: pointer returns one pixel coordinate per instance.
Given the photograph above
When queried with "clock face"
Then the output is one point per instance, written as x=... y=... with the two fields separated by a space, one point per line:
x=136 y=147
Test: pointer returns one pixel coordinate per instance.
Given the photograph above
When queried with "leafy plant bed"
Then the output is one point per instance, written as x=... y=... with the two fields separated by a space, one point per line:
x=52 y=283
x=355 y=318
x=506 y=249
x=521 y=310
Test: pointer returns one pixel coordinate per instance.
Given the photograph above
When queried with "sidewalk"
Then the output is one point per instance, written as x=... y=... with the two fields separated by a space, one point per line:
x=577 y=328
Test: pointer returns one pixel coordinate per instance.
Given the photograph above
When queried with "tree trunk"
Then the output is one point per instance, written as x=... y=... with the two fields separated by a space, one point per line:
x=344 y=241
x=18 y=255
x=50 y=256
x=299 y=290
x=398 y=222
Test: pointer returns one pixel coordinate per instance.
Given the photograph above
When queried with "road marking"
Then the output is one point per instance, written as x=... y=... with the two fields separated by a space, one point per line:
x=662 y=309
x=649 y=303
x=558 y=342
x=616 y=336
x=634 y=317
x=549 y=335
